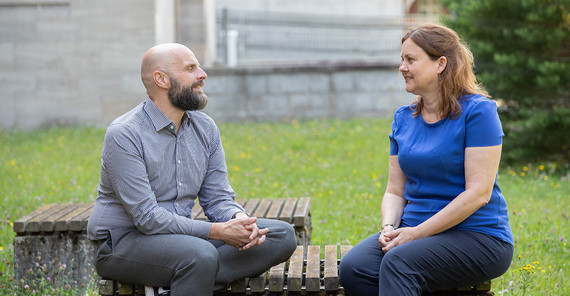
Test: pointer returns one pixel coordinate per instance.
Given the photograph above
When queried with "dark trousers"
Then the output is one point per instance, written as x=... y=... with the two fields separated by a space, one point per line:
x=187 y=264
x=451 y=259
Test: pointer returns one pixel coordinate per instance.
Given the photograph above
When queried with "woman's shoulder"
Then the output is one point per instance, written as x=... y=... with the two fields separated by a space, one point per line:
x=475 y=101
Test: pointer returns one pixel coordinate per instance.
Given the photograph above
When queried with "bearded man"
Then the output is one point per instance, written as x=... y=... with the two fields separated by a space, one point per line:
x=156 y=160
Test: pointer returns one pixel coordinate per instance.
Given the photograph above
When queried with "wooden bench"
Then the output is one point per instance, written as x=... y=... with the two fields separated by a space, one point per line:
x=305 y=273
x=54 y=236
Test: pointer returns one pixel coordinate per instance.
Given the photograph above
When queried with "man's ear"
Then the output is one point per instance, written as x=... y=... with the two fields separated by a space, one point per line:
x=161 y=79
x=442 y=64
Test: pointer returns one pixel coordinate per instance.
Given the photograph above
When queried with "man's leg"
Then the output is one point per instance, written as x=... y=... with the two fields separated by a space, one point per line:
x=279 y=245
x=185 y=263
x=447 y=260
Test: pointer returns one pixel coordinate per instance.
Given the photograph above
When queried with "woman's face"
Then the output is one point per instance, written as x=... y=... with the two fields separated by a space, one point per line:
x=420 y=72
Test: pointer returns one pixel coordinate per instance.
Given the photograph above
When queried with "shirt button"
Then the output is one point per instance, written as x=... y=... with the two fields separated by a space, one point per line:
x=180 y=184
x=179 y=161
x=171 y=126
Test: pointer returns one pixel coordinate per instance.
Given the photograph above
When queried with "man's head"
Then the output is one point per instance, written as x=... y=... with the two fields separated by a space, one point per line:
x=172 y=71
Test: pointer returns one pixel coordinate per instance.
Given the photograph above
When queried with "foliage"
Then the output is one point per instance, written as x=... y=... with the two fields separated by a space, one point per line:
x=341 y=165
x=522 y=56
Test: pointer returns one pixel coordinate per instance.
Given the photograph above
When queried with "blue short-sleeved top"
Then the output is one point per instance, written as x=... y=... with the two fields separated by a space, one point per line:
x=432 y=158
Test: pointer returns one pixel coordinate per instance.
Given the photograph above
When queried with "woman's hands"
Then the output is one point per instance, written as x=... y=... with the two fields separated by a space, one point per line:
x=390 y=237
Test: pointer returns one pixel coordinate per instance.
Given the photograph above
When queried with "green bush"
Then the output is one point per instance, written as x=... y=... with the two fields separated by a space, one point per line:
x=522 y=56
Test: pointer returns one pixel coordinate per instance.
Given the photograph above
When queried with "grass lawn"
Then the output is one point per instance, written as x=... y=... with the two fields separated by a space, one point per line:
x=341 y=165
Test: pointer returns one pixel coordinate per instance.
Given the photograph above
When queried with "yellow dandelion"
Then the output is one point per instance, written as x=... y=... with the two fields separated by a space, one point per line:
x=1 y=248
x=543 y=271
x=525 y=168
x=523 y=174
x=512 y=173
x=545 y=178
x=541 y=167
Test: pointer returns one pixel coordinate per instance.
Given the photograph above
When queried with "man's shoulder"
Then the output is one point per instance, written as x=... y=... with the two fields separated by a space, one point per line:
x=128 y=121
x=200 y=117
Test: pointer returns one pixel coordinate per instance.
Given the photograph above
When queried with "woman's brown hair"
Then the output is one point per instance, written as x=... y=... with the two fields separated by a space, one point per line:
x=457 y=78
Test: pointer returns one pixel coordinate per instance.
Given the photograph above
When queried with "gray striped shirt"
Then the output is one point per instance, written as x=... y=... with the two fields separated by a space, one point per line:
x=151 y=176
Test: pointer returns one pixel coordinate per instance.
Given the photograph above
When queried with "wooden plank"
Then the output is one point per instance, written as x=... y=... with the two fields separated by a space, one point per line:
x=262 y=208
x=257 y=284
x=79 y=222
x=196 y=210
x=295 y=275
x=313 y=274
x=125 y=289
x=35 y=223
x=484 y=286
x=288 y=209
x=241 y=202
x=275 y=209
x=48 y=224
x=62 y=224
x=276 y=277
x=331 y=268
x=301 y=215
x=239 y=286
x=344 y=249
x=106 y=287
x=251 y=205
x=20 y=225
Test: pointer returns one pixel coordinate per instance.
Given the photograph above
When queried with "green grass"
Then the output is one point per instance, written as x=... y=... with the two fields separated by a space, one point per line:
x=341 y=165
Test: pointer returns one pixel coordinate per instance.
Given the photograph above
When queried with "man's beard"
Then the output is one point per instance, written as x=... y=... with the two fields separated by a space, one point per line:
x=184 y=97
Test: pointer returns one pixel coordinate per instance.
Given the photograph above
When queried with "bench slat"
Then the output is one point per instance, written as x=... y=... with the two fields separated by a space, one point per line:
x=79 y=223
x=313 y=274
x=344 y=249
x=257 y=284
x=20 y=225
x=262 y=208
x=276 y=276
x=48 y=225
x=331 y=268
x=275 y=209
x=302 y=212
x=239 y=286
x=34 y=225
x=287 y=211
x=251 y=205
x=62 y=224
x=295 y=275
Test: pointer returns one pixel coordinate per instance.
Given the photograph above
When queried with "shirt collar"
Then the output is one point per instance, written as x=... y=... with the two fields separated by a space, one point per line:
x=157 y=117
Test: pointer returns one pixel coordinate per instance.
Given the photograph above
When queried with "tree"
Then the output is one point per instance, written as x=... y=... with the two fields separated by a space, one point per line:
x=522 y=56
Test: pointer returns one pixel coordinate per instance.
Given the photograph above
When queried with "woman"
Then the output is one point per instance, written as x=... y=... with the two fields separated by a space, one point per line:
x=444 y=218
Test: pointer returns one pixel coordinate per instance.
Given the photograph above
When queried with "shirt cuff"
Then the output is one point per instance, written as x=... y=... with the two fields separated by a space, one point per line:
x=201 y=229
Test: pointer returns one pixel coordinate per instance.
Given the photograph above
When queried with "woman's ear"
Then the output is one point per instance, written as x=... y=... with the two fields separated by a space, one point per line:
x=160 y=79
x=441 y=64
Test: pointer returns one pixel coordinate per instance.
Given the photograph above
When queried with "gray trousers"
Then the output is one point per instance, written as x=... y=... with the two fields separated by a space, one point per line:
x=187 y=264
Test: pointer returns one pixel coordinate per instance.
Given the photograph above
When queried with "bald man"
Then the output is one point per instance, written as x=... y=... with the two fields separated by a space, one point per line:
x=156 y=160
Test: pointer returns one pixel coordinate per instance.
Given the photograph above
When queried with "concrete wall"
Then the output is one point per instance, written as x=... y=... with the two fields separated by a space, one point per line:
x=66 y=62
x=304 y=91
x=71 y=61
x=335 y=7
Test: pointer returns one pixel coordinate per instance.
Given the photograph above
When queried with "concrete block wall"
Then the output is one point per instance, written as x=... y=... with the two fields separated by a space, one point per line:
x=304 y=92
x=71 y=61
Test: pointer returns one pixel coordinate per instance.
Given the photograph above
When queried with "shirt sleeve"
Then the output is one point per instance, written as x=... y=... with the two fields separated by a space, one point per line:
x=216 y=196
x=483 y=126
x=394 y=148
x=123 y=162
